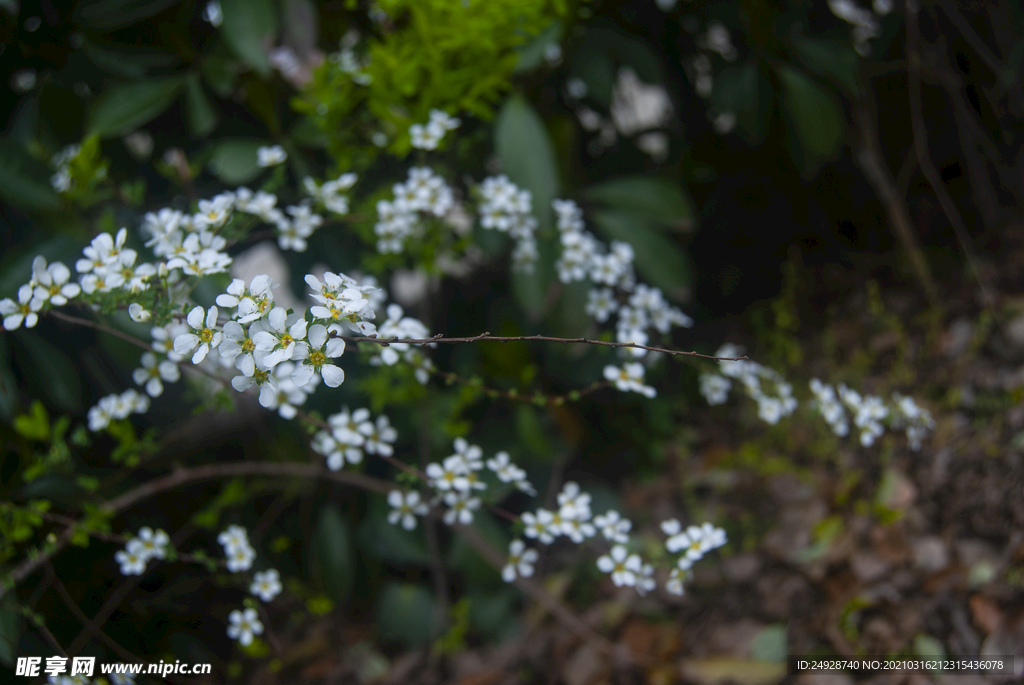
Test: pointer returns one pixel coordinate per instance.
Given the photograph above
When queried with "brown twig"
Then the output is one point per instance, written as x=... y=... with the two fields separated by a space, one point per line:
x=101 y=327
x=487 y=337
x=87 y=622
x=924 y=158
x=869 y=157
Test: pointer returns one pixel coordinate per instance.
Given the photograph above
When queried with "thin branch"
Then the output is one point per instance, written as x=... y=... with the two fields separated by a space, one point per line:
x=924 y=156
x=87 y=623
x=100 y=327
x=986 y=55
x=869 y=157
x=487 y=337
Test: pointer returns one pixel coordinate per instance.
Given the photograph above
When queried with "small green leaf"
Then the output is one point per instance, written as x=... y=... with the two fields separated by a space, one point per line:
x=523 y=145
x=24 y=182
x=814 y=119
x=107 y=15
x=126 y=106
x=747 y=93
x=249 y=29
x=34 y=426
x=405 y=613
x=658 y=259
x=829 y=58
x=653 y=197
x=202 y=114
x=533 y=53
x=234 y=160
x=332 y=545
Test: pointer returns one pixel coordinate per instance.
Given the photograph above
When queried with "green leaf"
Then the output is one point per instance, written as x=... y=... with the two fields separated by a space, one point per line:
x=34 y=426
x=249 y=29
x=653 y=197
x=747 y=93
x=814 y=119
x=332 y=545
x=130 y=63
x=522 y=144
x=124 y=107
x=234 y=160
x=24 y=182
x=828 y=58
x=201 y=113
x=533 y=53
x=405 y=613
x=659 y=260
x=106 y=15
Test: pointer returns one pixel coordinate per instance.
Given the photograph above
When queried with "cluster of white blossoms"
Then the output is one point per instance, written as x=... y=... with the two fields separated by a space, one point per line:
x=428 y=136
x=399 y=219
x=753 y=376
x=49 y=284
x=139 y=550
x=835 y=404
x=116 y=406
x=506 y=207
x=571 y=519
x=397 y=325
x=638 y=307
x=352 y=435
x=270 y=155
x=693 y=543
x=239 y=553
x=330 y=193
x=869 y=411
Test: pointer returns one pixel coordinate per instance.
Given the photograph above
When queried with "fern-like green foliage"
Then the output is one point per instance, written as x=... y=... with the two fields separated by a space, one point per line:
x=433 y=54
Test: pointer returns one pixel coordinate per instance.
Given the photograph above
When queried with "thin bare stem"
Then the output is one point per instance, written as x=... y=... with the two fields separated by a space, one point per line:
x=87 y=623
x=100 y=327
x=925 y=159
x=487 y=337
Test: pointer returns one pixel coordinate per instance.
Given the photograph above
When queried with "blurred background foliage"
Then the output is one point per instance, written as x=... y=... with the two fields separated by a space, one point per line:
x=758 y=159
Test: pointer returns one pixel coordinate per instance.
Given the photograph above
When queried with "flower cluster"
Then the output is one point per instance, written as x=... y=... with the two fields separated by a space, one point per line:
x=507 y=208
x=240 y=554
x=571 y=519
x=352 y=434
x=139 y=550
x=397 y=325
x=116 y=406
x=693 y=543
x=270 y=155
x=423 y=192
x=330 y=193
x=49 y=284
x=583 y=257
x=428 y=136
x=754 y=377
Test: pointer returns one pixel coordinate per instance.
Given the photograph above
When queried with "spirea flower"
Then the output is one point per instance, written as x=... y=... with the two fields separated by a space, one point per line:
x=405 y=508
x=244 y=626
x=520 y=562
x=622 y=566
x=266 y=585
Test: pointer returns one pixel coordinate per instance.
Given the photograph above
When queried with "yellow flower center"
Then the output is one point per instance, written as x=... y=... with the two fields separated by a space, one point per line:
x=316 y=359
x=206 y=335
x=248 y=345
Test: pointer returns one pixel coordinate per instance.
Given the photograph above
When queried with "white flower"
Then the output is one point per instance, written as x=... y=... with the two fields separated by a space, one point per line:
x=679 y=574
x=244 y=626
x=715 y=388
x=132 y=559
x=138 y=313
x=613 y=527
x=282 y=338
x=444 y=477
x=461 y=507
x=315 y=358
x=233 y=537
x=539 y=526
x=645 y=580
x=405 y=508
x=52 y=282
x=629 y=378
x=153 y=373
x=252 y=303
x=469 y=454
x=266 y=585
x=205 y=336
x=600 y=304
x=270 y=155
x=622 y=566
x=24 y=311
x=153 y=545
x=380 y=436
x=520 y=561
x=240 y=559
